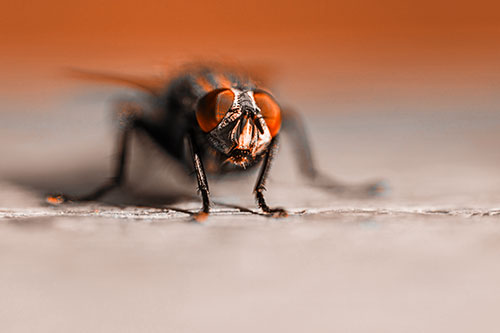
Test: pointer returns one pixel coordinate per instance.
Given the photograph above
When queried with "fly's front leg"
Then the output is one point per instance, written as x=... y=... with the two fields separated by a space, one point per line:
x=201 y=177
x=293 y=125
x=260 y=186
x=128 y=116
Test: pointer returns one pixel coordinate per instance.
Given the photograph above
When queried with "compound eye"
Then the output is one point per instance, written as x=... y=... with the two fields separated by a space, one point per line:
x=270 y=111
x=212 y=108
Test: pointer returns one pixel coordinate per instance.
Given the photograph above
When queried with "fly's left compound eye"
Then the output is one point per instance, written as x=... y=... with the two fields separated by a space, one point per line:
x=212 y=108
x=270 y=111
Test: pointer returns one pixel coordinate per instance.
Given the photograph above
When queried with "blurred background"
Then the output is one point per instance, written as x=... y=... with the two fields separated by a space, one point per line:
x=349 y=56
x=400 y=85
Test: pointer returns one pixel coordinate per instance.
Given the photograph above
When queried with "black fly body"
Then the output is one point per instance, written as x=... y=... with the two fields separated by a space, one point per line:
x=229 y=125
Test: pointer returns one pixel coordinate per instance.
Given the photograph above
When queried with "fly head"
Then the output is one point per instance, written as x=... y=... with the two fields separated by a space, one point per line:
x=239 y=124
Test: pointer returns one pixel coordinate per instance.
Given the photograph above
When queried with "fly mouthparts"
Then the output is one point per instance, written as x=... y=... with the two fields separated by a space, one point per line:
x=259 y=125
x=238 y=153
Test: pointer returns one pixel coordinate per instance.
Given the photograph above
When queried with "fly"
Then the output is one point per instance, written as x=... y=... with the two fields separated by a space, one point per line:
x=226 y=121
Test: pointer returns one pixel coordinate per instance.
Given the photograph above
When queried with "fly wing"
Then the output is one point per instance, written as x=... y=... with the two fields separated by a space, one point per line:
x=265 y=74
x=151 y=85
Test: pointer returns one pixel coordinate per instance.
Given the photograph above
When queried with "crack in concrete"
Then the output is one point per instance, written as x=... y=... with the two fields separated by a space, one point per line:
x=168 y=213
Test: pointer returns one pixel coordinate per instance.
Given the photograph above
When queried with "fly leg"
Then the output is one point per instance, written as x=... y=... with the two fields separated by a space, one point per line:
x=260 y=186
x=293 y=125
x=201 y=177
x=128 y=116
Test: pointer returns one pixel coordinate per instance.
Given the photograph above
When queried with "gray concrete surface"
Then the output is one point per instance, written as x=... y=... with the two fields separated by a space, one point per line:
x=423 y=258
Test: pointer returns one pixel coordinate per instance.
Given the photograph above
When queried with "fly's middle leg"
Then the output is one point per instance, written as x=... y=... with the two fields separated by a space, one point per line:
x=128 y=115
x=293 y=125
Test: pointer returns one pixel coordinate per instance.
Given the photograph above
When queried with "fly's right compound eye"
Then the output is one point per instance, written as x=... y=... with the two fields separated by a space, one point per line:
x=212 y=108
x=270 y=111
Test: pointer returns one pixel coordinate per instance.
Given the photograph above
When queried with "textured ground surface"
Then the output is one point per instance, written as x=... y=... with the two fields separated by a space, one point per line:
x=423 y=258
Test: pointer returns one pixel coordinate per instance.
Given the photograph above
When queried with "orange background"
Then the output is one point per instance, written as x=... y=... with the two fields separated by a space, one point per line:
x=341 y=53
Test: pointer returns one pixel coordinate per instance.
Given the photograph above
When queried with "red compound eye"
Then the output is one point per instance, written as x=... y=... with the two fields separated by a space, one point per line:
x=270 y=111
x=213 y=107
